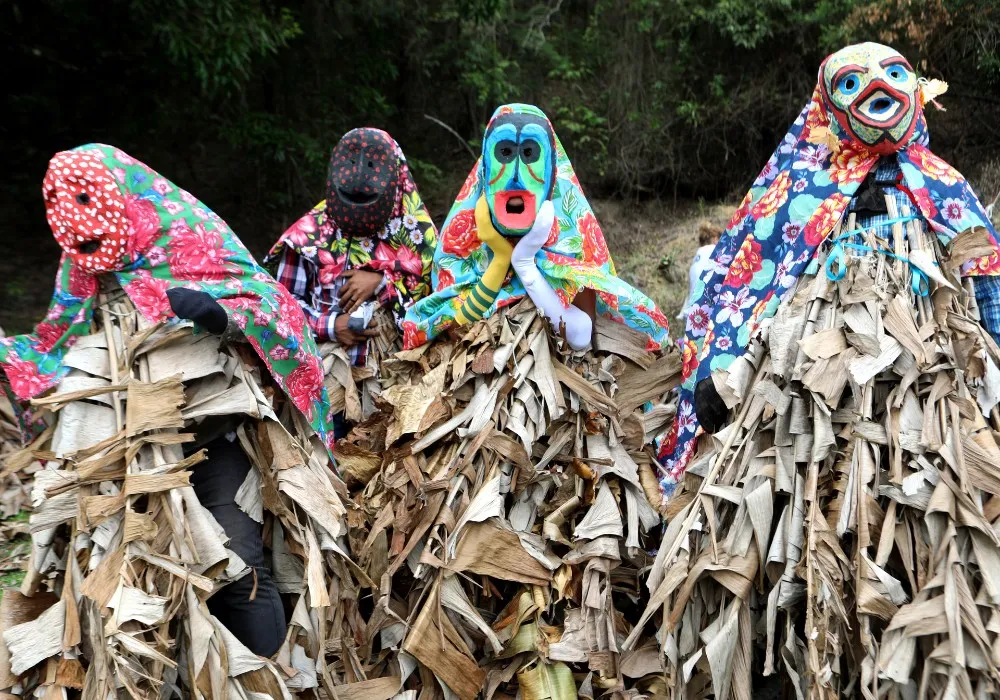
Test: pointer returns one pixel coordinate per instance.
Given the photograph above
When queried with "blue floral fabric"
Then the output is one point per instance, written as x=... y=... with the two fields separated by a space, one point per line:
x=796 y=201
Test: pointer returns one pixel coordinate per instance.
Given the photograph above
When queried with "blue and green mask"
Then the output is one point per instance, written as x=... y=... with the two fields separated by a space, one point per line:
x=518 y=166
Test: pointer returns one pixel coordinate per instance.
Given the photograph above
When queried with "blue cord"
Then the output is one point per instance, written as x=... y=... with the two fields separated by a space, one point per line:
x=838 y=256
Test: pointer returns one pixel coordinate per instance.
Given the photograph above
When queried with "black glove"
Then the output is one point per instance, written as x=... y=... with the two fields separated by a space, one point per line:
x=200 y=307
x=709 y=406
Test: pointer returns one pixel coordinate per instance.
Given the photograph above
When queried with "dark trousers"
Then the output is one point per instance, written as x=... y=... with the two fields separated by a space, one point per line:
x=258 y=623
x=340 y=426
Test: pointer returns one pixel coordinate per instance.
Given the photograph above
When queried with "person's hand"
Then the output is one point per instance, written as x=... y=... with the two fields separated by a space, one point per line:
x=533 y=240
x=359 y=288
x=348 y=338
x=200 y=307
x=709 y=407
x=487 y=232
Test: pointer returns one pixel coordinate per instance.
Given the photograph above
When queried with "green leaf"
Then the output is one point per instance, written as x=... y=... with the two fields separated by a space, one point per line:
x=569 y=202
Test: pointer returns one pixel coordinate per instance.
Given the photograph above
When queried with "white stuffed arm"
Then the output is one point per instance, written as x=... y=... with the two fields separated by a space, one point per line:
x=579 y=327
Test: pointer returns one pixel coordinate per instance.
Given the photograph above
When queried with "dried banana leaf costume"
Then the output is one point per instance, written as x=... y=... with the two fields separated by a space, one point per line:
x=111 y=213
x=574 y=258
x=393 y=235
x=867 y=106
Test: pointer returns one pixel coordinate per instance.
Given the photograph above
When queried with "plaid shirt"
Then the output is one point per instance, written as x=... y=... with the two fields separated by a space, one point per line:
x=988 y=298
x=887 y=174
x=987 y=288
x=320 y=302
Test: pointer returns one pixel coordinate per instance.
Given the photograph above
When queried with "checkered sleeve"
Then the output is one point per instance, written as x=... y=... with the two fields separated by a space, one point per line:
x=292 y=273
x=296 y=276
x=988 y=299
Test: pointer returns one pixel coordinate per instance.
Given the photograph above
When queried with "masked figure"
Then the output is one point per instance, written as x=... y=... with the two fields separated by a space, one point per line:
x=861 y=137
x=112 y=214
x=369 y=243
x=120 y=223
x=522 y=225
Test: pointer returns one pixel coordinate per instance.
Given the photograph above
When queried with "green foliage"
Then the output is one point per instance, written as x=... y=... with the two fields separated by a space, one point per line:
x=217 y=41
x=244 y=98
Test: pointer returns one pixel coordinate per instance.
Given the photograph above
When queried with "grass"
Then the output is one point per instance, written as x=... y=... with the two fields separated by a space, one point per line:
x=11 y=580
x=14 y=550
x=653 y=246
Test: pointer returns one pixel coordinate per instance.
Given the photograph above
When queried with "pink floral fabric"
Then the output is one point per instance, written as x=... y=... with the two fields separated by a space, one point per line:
x=154 y=236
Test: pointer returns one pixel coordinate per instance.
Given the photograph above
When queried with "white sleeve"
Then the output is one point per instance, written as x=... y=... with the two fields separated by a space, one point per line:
x=579 y=327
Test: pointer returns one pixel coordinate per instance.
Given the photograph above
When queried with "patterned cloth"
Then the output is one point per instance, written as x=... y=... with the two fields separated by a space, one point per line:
x=887 y=175
x=702 y=261
x=798 y=199
x=320 y=301
x=574 y=258
x=314 y=252
x=110 y=213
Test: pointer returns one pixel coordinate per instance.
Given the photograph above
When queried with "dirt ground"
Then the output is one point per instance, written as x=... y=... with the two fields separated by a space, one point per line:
x=653 y=245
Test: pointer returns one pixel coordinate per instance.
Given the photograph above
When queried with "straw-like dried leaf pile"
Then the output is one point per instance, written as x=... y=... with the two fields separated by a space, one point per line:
x=843 y=527
x=496 y=538
x=15 y=494
x=504 y=512
x=124 y=556
x=15 y=474
x=353 y=390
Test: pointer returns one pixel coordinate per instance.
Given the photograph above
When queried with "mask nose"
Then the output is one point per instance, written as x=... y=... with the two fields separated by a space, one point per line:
x=515 y=182
x=358 y=182
x=370 y=166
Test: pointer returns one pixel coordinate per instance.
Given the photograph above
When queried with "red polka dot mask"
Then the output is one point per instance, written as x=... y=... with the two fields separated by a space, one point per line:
x=363 y=182
x=85 y=208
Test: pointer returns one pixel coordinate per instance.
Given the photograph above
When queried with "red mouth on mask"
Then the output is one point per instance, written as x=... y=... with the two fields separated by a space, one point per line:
x=514 y=210
x=881 y=106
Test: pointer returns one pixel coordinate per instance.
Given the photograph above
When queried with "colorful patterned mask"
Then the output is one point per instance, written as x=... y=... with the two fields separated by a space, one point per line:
x=86 y=210
x=362 y=181
x=519 y=169
x=873 y=94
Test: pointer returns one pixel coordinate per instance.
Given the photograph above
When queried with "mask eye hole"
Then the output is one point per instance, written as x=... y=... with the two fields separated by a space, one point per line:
x=505 y=151
x=897 y=73
x=849 y=84
x=530 y=151
x=83 y=198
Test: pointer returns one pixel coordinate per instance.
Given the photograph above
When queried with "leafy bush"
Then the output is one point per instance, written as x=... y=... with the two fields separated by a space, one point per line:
x=242 y=99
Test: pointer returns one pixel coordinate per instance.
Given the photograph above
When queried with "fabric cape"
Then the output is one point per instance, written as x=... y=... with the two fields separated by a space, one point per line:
x=403 y=249
x=796 y=201
x=574 y=258
x=173 y=240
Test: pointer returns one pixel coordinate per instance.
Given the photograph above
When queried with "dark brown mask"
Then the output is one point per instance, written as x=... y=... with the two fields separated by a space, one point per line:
x=363 y=182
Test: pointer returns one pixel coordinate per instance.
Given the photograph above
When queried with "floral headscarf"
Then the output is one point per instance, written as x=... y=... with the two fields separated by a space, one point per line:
x=111 y=213
x=575 y=258
x=400 y=246
x=798 y=199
